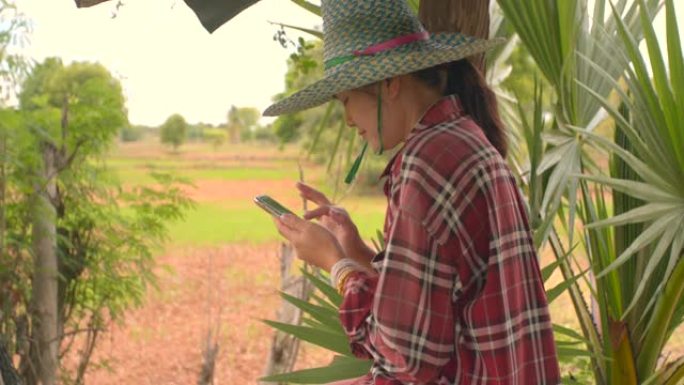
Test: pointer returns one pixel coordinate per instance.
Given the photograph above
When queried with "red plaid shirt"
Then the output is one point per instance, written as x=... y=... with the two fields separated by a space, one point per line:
x=458 y=298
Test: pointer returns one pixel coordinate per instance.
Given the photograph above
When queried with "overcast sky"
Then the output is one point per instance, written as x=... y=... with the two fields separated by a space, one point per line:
x=165 y=59
x=168 y=63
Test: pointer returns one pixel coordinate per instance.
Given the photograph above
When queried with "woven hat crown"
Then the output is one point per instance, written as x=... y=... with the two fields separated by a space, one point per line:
x=351 y=25
x=366 y=41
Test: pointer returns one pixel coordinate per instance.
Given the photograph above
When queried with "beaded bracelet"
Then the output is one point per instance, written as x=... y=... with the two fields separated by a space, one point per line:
x=344 y=276
x=340 y=272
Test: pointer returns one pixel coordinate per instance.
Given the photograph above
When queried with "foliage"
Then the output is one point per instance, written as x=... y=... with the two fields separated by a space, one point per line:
x=287 y=128
x=132 y=133
x=106 y=236
x=14 y=32
x=634 y=249
x=216 y=136
x=265 y=134
x=174 y=131
x=321 y=326
x=241 y=123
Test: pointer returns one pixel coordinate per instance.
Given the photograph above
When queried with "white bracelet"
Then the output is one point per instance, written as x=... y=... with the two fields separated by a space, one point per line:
x=340 y=266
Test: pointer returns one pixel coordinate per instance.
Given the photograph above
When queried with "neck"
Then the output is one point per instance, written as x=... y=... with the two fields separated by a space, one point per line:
x=417 y=101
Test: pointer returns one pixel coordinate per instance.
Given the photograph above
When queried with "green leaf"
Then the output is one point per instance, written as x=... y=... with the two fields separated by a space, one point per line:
x=548 y=270
x=655 y=337
x=639 y=190
x=674 y=53
x=553 y=293
x=650 y=234
x=656 y=256
x=414 y=4
x=330 y=292
x=313 y=8
x=322 y=302
x=324 y=315
x=670 y=374
x=640 y=214
x=564 y=352
x=560 y=329
x=340 y=369
x=326 y=339
x=644 y=171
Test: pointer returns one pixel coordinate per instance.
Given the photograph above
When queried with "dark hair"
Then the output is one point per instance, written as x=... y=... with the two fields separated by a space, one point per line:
x=463 y=79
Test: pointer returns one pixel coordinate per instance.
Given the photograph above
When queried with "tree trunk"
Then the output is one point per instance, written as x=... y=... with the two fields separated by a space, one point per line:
x=3 y=189
x=45 y=329
x=470 y=17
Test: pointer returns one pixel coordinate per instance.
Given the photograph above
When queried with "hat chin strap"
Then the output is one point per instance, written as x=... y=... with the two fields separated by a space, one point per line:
x=357 y=163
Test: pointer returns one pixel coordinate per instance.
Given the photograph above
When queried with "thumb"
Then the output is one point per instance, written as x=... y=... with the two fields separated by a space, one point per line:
x=291 y=220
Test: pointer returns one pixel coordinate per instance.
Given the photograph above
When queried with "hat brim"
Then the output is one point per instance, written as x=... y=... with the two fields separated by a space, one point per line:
x=366 y=70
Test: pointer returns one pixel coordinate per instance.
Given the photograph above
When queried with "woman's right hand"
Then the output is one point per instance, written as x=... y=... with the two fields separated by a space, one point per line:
x=337 y=221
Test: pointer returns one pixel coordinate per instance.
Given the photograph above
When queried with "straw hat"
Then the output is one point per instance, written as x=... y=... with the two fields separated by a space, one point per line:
x=366 y=41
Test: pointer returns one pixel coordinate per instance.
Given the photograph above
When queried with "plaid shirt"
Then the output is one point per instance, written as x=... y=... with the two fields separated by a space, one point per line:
x=458 y=298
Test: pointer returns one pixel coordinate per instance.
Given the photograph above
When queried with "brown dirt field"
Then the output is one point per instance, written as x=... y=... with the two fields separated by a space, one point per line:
x=233 y=286
x=162 y=342
x=150 y=149
x=227 y=191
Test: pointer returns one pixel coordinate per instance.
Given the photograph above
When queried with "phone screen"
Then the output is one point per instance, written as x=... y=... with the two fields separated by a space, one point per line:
x=271 y=205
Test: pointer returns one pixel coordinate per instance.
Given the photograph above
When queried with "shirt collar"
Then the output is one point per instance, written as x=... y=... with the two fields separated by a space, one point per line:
x=446 y=109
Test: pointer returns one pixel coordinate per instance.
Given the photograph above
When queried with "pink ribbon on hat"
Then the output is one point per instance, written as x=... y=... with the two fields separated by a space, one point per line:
x=380 y=47
x=393 y=43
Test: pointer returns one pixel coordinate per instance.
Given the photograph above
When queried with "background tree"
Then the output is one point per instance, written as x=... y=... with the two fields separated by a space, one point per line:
x=71 y=110
x=216 y=136
x=132 y=132
x=174 y=131
x=241 y=123
x=71 y=252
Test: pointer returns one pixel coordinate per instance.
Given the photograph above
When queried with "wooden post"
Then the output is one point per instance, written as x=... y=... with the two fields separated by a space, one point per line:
x=285 y=348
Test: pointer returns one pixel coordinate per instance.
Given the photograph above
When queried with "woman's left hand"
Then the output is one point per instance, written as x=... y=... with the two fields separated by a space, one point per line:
x=313 y=243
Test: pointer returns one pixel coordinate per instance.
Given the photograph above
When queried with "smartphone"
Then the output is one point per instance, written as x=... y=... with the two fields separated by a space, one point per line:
x=271 y=206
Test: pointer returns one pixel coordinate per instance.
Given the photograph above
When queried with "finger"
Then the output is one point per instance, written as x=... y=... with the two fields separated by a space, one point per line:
x=339 y=215
x=310 y=193
x=317 y=213
x=283 y=229
x=294 y=223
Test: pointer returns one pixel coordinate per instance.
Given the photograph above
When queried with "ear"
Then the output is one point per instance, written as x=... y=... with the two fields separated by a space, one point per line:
x=393 y=86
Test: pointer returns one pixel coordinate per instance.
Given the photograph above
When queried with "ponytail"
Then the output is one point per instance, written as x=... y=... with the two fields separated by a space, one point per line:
x=463 y=79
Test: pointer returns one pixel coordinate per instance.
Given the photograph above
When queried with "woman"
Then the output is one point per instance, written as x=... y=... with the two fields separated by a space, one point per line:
x=456 y=297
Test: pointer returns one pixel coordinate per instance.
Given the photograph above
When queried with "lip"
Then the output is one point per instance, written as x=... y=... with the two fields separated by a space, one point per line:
x=361 y=133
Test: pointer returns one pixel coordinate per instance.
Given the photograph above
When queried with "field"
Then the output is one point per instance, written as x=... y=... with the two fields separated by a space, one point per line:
x=221 y=267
